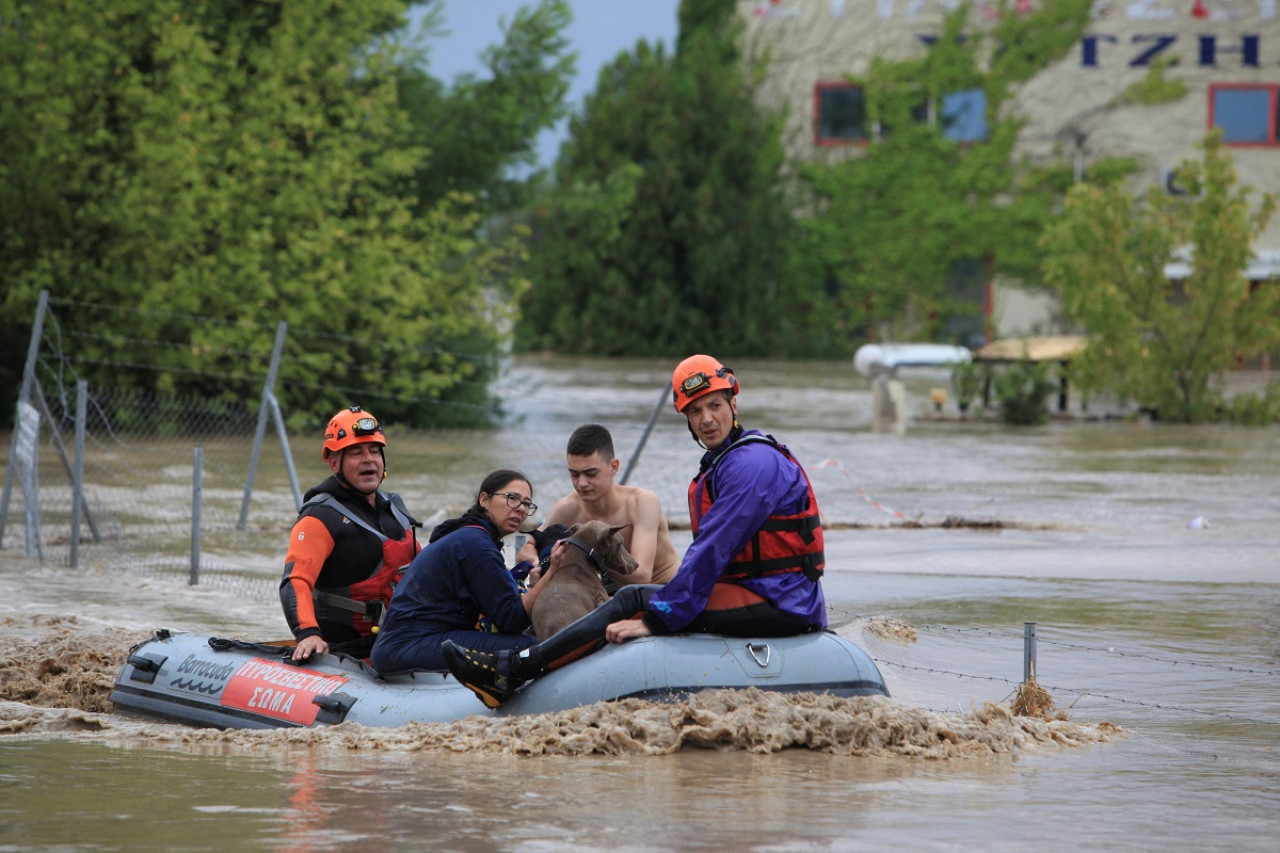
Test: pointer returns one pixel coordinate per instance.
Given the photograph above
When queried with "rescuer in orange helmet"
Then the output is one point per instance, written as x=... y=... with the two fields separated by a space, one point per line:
x=349 y=545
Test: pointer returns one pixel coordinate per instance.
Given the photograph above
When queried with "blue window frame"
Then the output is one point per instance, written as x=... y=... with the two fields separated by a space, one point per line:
x=1249 y=114
x=964 y=115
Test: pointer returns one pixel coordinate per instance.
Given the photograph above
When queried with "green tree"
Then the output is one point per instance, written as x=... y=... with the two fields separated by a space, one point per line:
x=890 y=224
x=479 y=132
x=243 y=162
x=665 y=228
x=1166 y=344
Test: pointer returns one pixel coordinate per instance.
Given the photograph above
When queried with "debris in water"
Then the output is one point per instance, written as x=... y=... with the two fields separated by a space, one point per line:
x=891 y=629
x=1032 y=700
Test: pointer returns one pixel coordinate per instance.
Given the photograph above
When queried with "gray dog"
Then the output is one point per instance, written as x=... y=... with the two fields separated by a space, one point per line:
x=577 y=587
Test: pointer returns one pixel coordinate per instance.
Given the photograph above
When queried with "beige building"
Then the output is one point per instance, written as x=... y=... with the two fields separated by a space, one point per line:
x=1227 y=52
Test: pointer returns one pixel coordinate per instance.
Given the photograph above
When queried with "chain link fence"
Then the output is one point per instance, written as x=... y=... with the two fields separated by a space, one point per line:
x=193 y=490
x=140 y=511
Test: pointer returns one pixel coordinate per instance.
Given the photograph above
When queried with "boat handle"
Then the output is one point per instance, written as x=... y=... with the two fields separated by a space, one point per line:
x=333 y=708
x=756 y=649
x=138 y=662
x=145 y=669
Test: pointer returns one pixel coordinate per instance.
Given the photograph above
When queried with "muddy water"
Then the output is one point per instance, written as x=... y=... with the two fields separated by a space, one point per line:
x=1147 y=556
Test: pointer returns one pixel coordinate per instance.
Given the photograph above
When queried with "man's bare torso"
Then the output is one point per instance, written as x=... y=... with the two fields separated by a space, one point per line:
x=626 y=505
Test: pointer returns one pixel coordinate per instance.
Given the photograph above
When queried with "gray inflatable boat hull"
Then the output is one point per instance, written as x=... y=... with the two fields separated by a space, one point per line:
x=184 y=678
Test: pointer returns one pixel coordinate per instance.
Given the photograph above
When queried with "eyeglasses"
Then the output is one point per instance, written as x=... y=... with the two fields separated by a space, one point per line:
x=365 y=426
x=517 y=501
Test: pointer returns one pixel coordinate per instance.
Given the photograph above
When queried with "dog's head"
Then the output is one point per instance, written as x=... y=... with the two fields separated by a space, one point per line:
x=607 y=548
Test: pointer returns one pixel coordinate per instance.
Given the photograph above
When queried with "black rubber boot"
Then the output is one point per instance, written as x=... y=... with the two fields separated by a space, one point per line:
x=486 y=674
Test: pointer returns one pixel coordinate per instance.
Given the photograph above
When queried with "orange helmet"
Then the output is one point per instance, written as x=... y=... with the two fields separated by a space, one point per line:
x=697 y=376
x=350 y=427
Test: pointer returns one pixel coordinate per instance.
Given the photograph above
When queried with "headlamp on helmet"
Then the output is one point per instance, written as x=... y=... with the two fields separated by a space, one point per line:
x=350 y=427
x=697 y=376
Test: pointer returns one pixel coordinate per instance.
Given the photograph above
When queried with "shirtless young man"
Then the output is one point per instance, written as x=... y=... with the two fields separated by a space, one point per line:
x=596 y=497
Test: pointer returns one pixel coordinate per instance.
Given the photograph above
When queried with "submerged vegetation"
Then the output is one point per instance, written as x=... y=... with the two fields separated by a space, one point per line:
x=1166 y=344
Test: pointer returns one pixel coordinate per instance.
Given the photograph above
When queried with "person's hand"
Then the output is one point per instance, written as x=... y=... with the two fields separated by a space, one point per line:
x=530 y=598
x=528 y=553
x=626 y=629
x=309 y=646
x=557 y=555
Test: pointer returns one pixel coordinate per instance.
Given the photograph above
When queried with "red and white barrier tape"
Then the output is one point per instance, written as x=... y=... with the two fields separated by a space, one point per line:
x=835 y=463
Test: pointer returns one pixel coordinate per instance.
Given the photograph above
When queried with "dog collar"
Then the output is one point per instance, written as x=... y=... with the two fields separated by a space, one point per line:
x=591 y=555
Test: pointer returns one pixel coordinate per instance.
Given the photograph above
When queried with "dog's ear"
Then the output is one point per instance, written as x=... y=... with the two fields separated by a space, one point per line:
x=620 y=559
x=550 y=536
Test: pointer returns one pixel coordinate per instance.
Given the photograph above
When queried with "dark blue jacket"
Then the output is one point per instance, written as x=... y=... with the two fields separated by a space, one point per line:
x=456 y=578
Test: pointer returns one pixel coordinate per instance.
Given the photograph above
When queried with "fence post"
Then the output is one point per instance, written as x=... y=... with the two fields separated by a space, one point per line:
x=27 y=461
x=288 y=454
x=28 y=379
x=644 y=437
x=55 y=438
x=77 y=474
x=267 y=393
x=1028 y=651
x=197 y=489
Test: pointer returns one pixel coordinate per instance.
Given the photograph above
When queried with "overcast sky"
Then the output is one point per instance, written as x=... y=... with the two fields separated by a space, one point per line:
x=599 y=31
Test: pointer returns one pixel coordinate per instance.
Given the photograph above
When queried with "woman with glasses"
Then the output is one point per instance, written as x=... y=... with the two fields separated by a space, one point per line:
x=459 y=577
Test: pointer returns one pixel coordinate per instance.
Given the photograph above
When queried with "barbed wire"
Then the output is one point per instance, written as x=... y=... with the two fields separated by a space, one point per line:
x=373 y=393
x=1224 y=667
x=1109 y=650
x=268 y=329
x=423 y=349
x=1079 y=692
x=61 y=368
x=362 y=392
x=180 y=371
x=1076 y=691
x=152 y=343
x=70 y=302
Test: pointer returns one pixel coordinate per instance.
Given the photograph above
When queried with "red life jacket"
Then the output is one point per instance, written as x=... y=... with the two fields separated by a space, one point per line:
x=367 y=600
x=784 y=543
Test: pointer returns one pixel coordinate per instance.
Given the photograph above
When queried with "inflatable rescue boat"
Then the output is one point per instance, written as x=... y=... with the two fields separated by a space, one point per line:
x=204 y=681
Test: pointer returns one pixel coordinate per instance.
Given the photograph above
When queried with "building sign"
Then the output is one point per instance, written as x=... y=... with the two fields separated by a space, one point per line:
x=1144 y=48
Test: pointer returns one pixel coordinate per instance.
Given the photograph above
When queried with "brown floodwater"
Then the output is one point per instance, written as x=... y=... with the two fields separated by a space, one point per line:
x=1147 y=555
